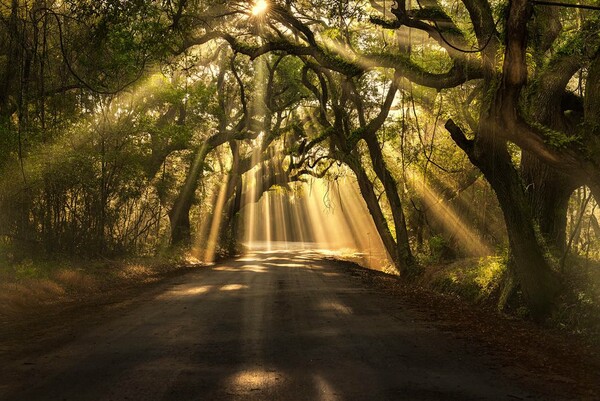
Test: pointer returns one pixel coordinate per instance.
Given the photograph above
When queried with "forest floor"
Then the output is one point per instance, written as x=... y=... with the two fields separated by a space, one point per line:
x=285 y=323
x=544 y=356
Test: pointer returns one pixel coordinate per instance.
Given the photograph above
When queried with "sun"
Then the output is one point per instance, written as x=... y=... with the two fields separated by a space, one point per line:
x=259 y=7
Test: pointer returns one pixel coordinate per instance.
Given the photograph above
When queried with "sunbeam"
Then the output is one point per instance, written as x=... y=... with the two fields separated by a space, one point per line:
x=452 y=223
x=330 y=216
x=215 y=227
x=252 y=181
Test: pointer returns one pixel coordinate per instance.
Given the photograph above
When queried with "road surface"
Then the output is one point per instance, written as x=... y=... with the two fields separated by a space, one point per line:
x=282 y=325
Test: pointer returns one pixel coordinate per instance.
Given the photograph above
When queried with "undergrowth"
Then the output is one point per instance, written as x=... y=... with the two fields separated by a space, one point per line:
x=473 y=279
x=578 y=309
x=30 y=284
x=479 y=280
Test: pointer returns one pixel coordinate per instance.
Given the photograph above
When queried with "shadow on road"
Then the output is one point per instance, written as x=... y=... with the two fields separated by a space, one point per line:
x=272 y=325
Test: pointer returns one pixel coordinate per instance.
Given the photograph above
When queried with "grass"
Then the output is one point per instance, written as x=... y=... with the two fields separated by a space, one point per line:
x=578 y=309
x=31 y=284
x=474 y=279
x=28 y=286
x=479 y=280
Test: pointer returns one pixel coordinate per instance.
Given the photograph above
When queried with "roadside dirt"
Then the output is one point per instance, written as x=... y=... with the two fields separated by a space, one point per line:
x=287 y=324
x=40 y=324
x=547 y=360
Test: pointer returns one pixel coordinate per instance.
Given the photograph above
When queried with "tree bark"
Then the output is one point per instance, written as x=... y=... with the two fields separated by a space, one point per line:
x=406 y=259
x=489 y=153
x=233 y=194
x=179 y=215
x=548 y=192
x=368 y=193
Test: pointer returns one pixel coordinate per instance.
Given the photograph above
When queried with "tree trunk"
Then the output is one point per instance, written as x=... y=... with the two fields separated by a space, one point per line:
x=9 y=86
x=233 y=194
x=538 y=282
x=179 y=215
x=180 y=225
x=548 y=192
x=596 y=193
x=368 y=193
x=391 y=191
x=489 y=152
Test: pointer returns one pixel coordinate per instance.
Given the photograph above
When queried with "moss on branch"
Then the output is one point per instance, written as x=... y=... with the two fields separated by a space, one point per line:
x=556 y=139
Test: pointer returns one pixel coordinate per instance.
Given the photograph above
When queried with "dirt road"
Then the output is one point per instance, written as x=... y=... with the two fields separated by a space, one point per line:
x=269 y=326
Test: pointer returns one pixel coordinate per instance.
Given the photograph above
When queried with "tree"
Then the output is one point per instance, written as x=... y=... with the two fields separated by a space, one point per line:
x=349 y=122
x=294 y=31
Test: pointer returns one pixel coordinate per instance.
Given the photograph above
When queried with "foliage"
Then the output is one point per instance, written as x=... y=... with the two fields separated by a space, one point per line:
x=475 y=280
x=119 y=120
x=557 y=139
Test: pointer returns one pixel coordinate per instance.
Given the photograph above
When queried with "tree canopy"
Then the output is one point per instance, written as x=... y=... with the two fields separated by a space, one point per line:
x=122 y=124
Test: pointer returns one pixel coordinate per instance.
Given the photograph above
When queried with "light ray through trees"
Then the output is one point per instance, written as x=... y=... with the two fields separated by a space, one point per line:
x=329 y=216
x=253 y=180
x=215 y=227
x=473 y=243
